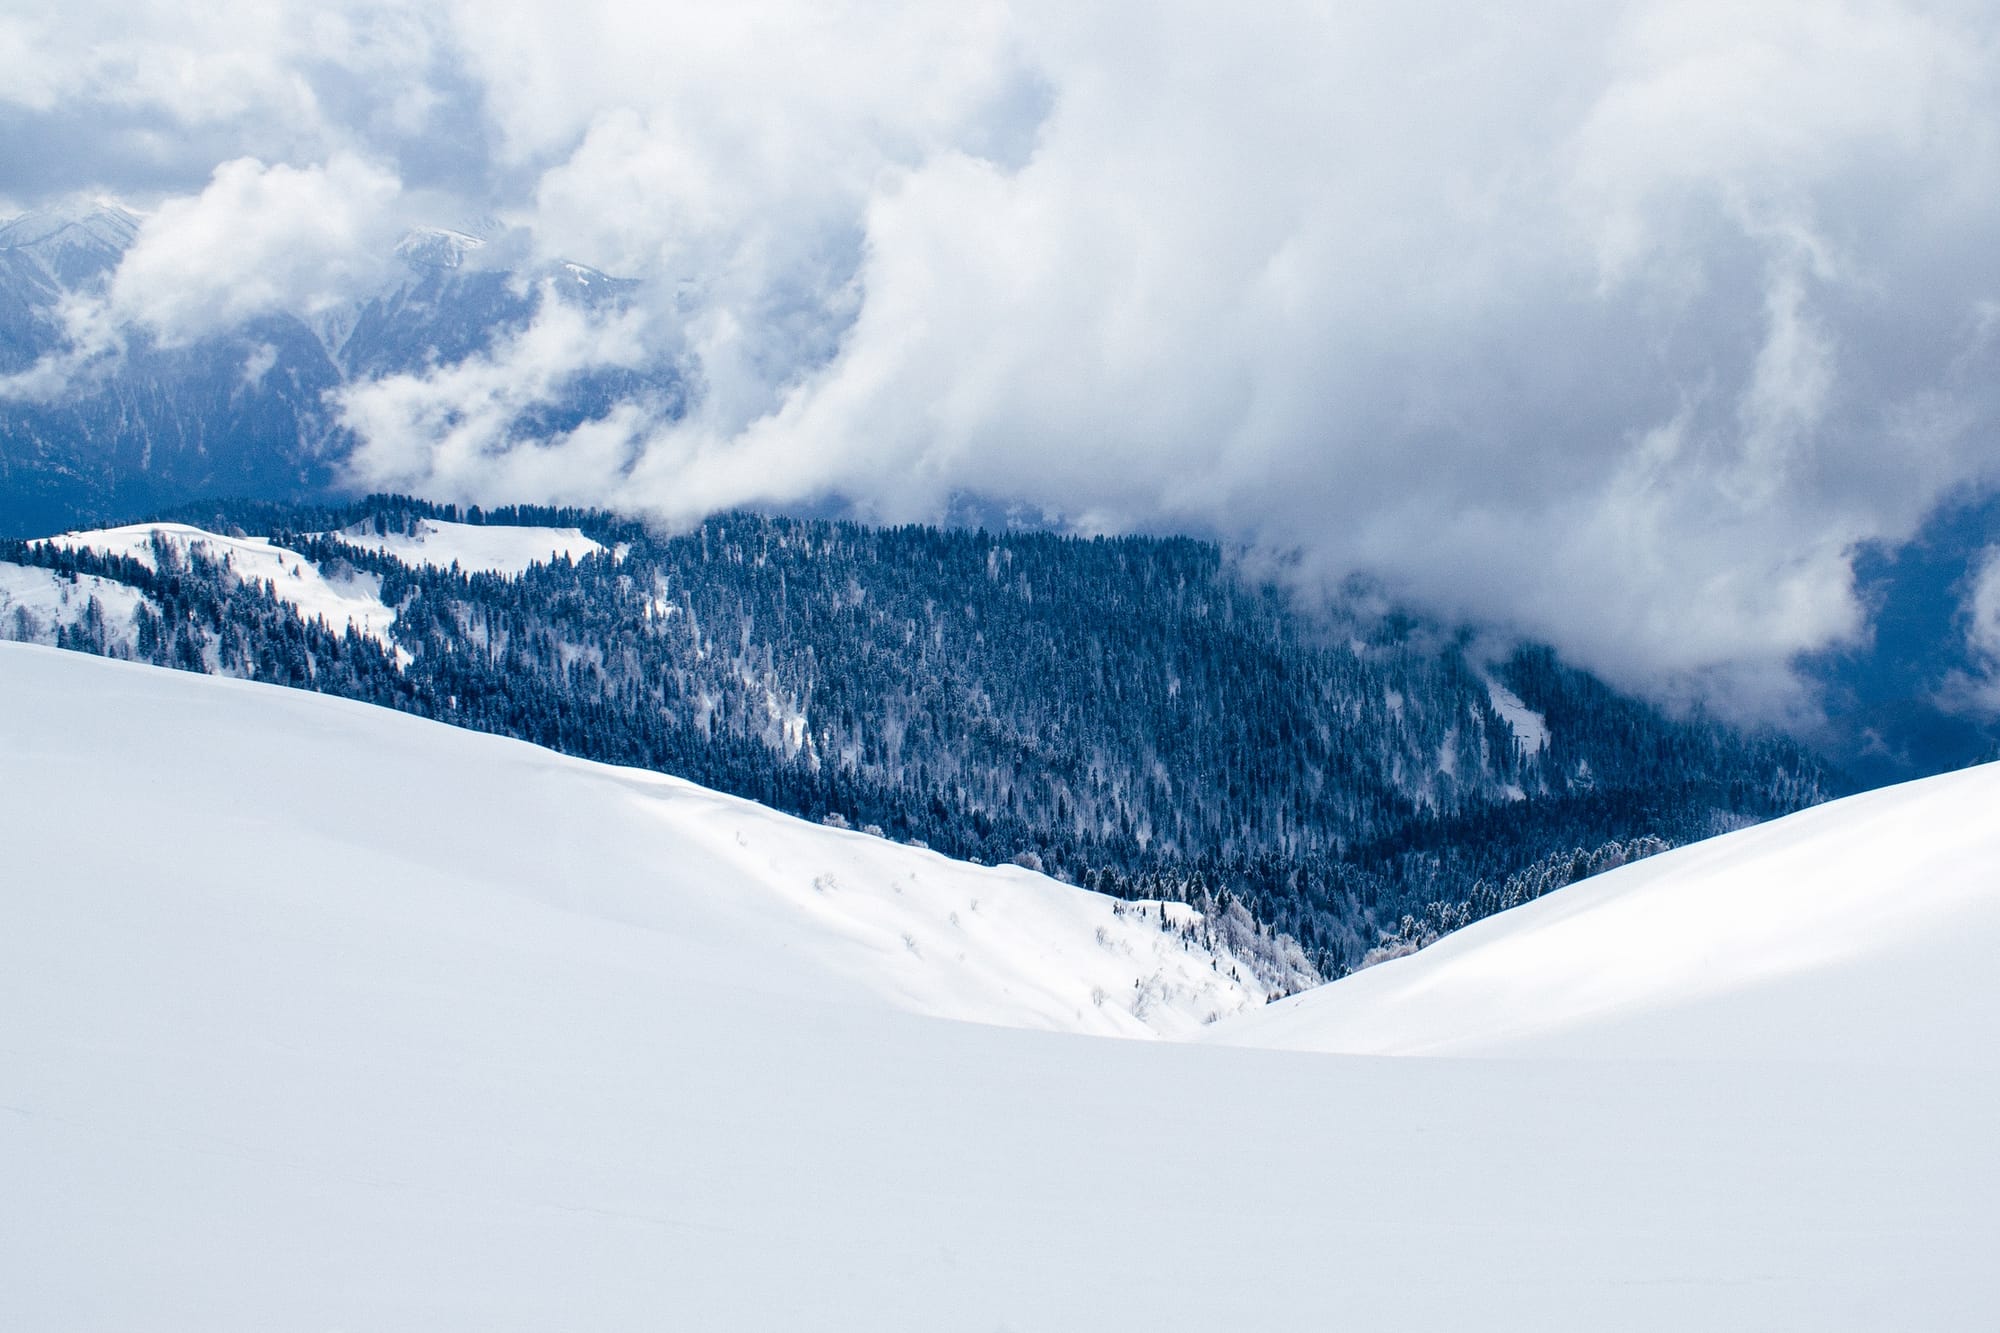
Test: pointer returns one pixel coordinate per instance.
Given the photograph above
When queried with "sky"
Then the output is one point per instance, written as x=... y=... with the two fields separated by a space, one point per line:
x=1619 y=325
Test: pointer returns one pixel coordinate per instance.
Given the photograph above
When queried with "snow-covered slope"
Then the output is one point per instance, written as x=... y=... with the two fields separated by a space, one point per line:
x=494 y=548
x=843 y=916
x=347 y=597
x=352 y=598
x=35 y=602
x=1859 y=931
x=73 y=242
x=313 y=1016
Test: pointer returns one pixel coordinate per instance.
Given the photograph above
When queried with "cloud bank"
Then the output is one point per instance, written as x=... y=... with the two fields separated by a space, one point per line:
x=1619 y=325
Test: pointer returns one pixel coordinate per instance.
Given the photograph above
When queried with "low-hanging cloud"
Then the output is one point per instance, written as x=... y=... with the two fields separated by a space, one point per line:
x=259 y=240
x=1619 y=325
x=457 y=430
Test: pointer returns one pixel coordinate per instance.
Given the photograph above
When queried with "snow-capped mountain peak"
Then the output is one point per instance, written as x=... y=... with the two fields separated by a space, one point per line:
x=74 y=242
x=438 y=248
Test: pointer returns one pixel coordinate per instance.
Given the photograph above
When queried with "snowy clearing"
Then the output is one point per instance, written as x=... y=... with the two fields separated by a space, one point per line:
x=474 y=548
x=1531 y=729
x=318 y=1016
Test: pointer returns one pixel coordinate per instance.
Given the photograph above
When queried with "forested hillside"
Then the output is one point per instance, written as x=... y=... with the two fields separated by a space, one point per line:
x=1133 y=714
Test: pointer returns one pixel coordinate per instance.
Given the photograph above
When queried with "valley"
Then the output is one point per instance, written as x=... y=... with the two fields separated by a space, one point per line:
x=1134 y=716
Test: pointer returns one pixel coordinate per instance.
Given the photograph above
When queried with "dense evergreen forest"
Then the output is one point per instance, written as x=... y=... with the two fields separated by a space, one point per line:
x=1133 y=715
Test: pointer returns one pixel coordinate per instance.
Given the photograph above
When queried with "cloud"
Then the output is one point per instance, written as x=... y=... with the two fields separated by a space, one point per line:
x=1619 y=325
x=1592 y=325
x=259 y=240
x=461 y=429
x=90 y=341
x=147 y=96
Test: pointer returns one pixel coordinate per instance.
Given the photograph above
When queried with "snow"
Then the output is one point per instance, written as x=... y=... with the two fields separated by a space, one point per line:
x=438 y=247
x=1861 y=931
x=1531 y=729
x=352 y=598
x=50 y=600
x=81 y=222
x=492 y=548
x=317 y=1016
x=908 y=926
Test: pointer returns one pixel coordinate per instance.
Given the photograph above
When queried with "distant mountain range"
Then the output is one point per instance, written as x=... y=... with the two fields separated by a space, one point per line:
x=244 y=413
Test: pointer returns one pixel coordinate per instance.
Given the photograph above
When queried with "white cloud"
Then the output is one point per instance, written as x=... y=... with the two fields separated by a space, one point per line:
x=26 y=76
x=90 y=341
x=259 y=240
x=457 y=429
x=1562 y=320
x=1621 y=324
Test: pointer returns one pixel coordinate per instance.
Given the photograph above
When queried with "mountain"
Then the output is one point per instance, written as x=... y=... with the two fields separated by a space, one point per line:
x=247 y=412
x=320 y=1016
x=1134 y=716
x=1858 y=932
x=70 y=246
x=241 y=413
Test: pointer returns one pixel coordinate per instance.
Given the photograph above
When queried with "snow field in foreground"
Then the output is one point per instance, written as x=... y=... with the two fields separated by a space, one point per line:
x=316 y=1016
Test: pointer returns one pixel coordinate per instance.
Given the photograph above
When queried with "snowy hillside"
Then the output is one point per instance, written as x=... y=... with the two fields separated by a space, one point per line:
x=36 y=603
x=843 y=915
x=1531 y=729
x=348 y=598
x=1863 y=930
x=320 y=1016
x=340 y=597
x=71 y=243
x=494 y=548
